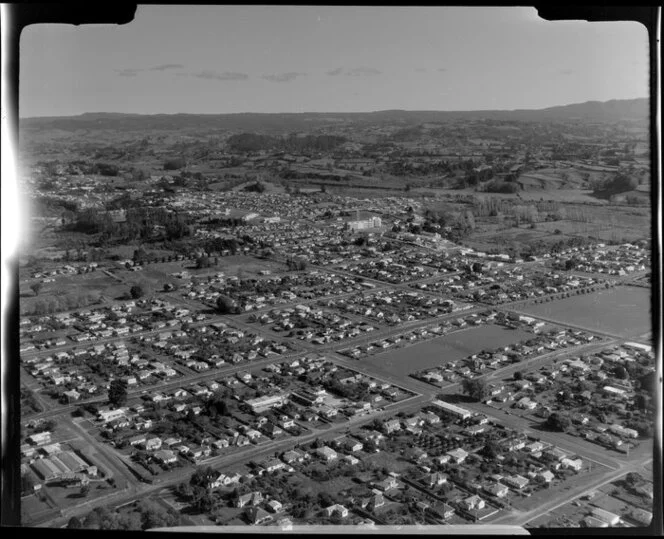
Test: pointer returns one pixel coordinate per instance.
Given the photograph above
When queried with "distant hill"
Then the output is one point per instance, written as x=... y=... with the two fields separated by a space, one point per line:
x=590 y=111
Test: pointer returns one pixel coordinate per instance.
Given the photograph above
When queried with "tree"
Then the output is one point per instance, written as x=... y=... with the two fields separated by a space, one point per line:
x=140 y=255
x=184 y=490
x=117 y=393
x=137 y=291
x=85 y=489
x=475 y=389
x=36 y=288
x=570 y=264
x=74 y=523
x=620 y=372
x=174 y=164
x=518 y=375
x=558 y=422
x=227 y=305
x=27 y=484
x=641 y=402
x=203 y=262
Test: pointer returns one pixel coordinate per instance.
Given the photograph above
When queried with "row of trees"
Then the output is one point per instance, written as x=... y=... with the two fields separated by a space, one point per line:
x=296 y=264
x=499 y=186
x=58 y=303
x=145 y=514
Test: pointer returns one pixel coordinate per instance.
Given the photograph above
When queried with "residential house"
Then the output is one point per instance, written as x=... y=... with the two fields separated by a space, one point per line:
x=138 y=439
x=258 y=516
x=221 y=443
x=496 y=489
x=393 y=425
x=293 y=455
x=165 y=456
x=573 y=464
x=534 y=447
x=434 y=480
x=326 y=453
x=516 y=481
x=350 y=459
x=272 y=465
x=457 y=455
x=386 y=484
x=546 y=476
x=352 y=445
x=272 y=430
x=153 y=444
x=71 y=396
x=252 y=498
x=375 y=502
x=286 y=422
x=224 y=480
x=336 y=509
x=441 y=511
x=274 y=505
x=472 y=503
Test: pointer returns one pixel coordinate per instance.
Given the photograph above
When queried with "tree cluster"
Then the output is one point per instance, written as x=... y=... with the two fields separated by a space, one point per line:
x=146 y=514
x=499 y=186
x=475 y=389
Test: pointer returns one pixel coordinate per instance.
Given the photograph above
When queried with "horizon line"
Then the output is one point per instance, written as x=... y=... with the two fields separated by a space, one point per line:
x=320 y=112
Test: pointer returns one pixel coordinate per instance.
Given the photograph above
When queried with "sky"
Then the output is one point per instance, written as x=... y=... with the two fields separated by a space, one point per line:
x=228 y=59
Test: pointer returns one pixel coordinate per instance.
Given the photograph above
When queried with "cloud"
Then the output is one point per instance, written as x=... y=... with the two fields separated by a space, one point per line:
x=132 y=72
x=283 y=77
x=566 y=72
x=363 y=72
x=355 y=72
x=164 y=67
x=421 y=69
x=442 y=69
x=214 y=75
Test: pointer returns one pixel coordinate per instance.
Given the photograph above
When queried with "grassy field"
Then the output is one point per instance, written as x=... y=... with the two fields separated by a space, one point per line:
x=443 y=349
x=91 y=286
x=623 y=310
x=155 y=275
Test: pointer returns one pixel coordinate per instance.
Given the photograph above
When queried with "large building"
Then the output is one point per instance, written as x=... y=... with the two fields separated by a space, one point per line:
x=262 y=404
x=366 y=223
x=453 y=410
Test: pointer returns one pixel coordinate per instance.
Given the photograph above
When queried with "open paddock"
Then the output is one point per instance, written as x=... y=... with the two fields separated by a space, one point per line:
x=440 y=350
x=622 y=310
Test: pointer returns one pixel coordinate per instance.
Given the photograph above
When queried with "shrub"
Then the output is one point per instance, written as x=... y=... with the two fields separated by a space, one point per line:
x=174 y=164
x=498 y=186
